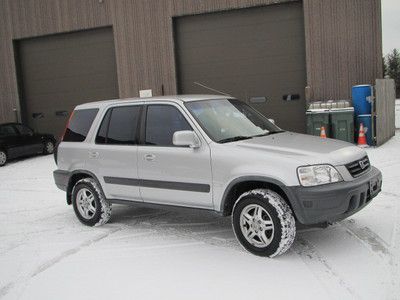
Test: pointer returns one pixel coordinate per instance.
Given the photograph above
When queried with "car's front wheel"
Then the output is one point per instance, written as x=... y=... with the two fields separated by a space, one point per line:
x=48 y=147
x=3 y=158
x=89 y=203
x=263 y=223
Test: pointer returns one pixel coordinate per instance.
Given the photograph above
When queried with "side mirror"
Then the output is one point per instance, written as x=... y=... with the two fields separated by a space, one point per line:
x=186 y=138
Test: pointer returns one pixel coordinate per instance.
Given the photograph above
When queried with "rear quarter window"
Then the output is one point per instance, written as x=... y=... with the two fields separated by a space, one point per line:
x=7 y=130
x=79 y=125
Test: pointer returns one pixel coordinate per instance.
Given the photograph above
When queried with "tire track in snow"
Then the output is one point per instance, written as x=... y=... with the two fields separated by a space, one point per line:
x=321 y=268
x=367 y=238
x=373 y=242
x=50 y=263
x=184 y=230
x=43 y=267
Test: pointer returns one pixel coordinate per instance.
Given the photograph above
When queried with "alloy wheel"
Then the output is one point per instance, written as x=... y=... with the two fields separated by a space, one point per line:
x=257 y=225
x=49 y=147
x=3 y=158
x=86 y=203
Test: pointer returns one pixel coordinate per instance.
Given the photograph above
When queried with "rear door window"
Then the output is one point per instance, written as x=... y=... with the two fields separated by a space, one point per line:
x=23 y=130
x=79 y=125
x=7 y=131
x=120 y=126
x=162 y=122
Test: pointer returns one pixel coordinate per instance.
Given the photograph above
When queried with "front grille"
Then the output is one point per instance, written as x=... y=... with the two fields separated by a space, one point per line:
x=358 y=167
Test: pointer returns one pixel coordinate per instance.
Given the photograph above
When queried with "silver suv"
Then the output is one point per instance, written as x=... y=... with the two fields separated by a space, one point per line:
x=215 y=153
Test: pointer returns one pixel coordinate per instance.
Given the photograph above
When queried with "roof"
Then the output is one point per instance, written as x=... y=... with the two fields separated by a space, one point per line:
x=10 y=123
x=174 y=98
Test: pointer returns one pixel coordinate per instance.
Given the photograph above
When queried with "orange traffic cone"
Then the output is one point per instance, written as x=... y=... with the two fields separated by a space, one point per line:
x=323 y=133
x=362 y=140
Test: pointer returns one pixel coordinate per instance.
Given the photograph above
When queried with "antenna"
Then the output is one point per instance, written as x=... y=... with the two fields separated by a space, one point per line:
x=211 y=89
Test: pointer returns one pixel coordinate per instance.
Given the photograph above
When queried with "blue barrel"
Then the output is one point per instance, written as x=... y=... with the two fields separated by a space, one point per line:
x=366 y=120
x=359 y=94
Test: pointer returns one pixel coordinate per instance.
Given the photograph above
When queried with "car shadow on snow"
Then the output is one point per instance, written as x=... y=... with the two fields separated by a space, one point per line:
x=210 y=228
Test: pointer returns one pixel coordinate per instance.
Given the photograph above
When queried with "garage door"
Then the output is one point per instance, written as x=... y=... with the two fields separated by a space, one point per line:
x=255 y=54
x=61 y=71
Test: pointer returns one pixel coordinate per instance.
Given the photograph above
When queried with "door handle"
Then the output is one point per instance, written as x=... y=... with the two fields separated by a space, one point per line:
x=93 y=154
x=150 y=157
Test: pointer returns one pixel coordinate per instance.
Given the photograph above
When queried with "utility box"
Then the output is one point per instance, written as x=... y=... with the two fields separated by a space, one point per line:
x=342 y=124
x=316 y=118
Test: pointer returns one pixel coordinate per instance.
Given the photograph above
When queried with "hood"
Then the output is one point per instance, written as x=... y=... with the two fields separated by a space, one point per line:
x=306 y=148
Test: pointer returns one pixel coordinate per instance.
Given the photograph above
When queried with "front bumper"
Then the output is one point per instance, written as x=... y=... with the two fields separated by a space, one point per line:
x=334 y=202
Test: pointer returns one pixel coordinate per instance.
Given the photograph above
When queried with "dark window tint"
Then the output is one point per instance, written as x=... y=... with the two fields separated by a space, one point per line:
x=101 y=137
x=119 y=126
x=23 y=130
x=161 y=123
x=7 y=130
x=79 y=125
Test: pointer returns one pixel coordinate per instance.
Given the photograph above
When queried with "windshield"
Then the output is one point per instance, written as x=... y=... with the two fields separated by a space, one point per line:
x=229 y=120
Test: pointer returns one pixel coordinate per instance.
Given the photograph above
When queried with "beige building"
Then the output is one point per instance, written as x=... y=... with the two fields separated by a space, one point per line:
x=55 y=54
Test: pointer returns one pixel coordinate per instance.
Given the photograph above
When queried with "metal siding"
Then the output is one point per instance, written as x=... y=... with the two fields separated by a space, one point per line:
x=385 y=97
x=344 y=46
x=343 y=40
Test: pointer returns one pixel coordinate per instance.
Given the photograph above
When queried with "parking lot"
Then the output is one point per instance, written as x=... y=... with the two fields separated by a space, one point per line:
x=147 y=253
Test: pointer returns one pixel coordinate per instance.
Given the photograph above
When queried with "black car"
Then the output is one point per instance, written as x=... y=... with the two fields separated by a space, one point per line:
x=18 y=140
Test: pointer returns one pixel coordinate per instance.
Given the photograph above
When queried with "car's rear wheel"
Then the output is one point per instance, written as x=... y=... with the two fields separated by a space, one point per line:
x=89 y=204
x=48 y=147
x=263 y=223
x=3 y=158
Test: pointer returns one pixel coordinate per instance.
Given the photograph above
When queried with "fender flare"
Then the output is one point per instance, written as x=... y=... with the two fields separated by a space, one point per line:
x=85 y=172
x=289 y=195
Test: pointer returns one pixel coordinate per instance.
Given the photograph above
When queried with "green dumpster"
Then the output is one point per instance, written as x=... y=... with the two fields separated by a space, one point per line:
x=342 y=124
x=316 y=118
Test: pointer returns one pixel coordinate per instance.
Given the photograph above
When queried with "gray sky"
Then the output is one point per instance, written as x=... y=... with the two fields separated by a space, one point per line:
x=390 y=25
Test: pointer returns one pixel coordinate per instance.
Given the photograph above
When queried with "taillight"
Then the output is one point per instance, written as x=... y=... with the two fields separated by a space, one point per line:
x=66 y=127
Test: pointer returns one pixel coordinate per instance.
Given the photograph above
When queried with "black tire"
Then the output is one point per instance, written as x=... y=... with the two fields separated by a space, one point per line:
x=102 y=211
x=3 y=158
x=283 y=226
x=48 y=147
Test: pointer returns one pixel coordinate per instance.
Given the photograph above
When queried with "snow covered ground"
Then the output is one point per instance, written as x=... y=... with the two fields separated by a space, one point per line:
x=45 y=253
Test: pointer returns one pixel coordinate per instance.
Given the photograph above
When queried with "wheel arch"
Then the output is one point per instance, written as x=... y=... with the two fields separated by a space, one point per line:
x=4 y=148
x=244 y=184
x=75 y=177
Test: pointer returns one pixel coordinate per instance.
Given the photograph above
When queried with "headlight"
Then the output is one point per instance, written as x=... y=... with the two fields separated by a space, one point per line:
x=317 y=175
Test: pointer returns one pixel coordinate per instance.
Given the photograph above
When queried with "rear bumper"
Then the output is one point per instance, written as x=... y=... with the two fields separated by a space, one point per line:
x=334 y=202
x=61 y=178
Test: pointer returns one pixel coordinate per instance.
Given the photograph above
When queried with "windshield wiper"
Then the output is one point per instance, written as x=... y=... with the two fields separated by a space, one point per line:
x=241 y=137
x=234 y=139
x=268 y=133
x=276 y=131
